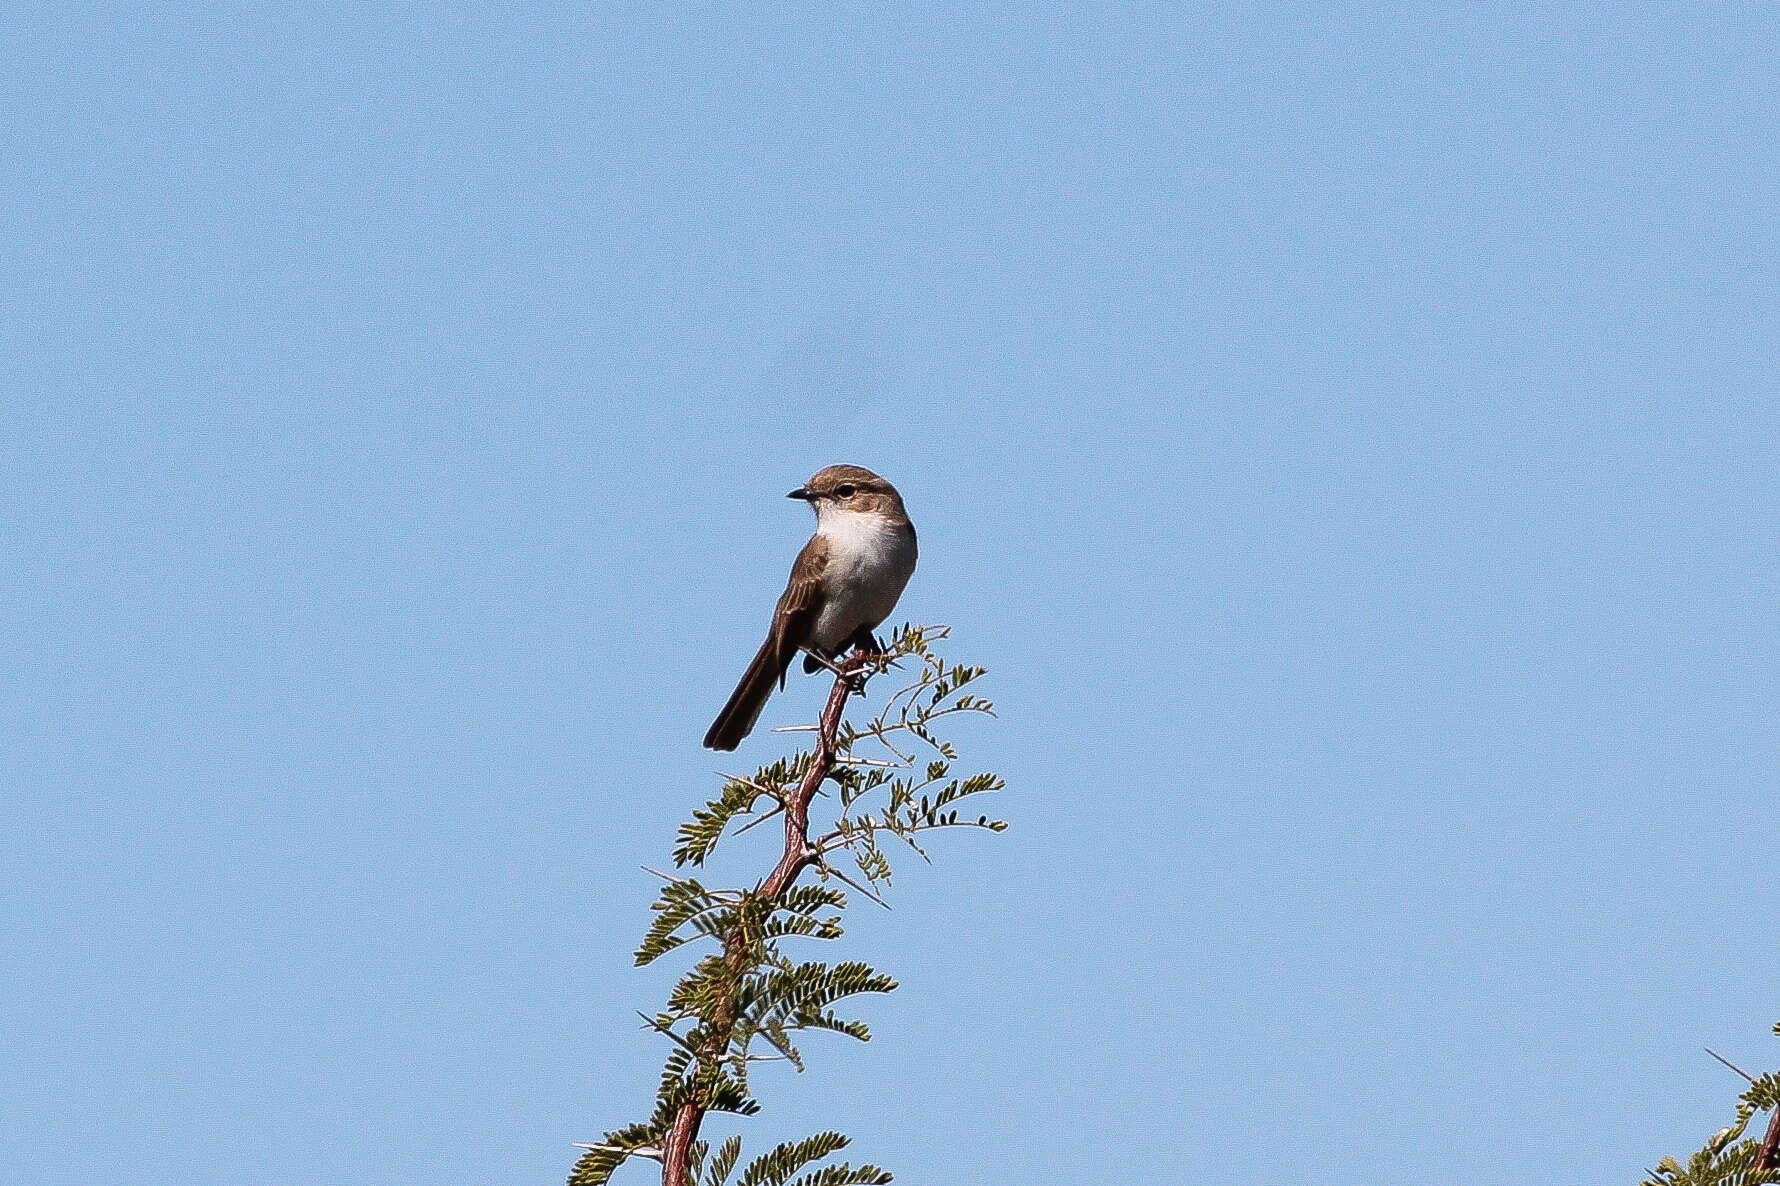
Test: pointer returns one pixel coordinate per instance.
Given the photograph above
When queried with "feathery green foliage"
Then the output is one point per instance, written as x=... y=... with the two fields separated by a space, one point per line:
x=1729 y=1158
x=747 y=988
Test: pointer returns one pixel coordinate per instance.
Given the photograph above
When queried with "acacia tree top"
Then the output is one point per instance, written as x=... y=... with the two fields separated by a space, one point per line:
x=750 y=990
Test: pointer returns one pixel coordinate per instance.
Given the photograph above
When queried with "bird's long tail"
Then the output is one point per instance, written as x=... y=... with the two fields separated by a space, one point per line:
x=737 y=719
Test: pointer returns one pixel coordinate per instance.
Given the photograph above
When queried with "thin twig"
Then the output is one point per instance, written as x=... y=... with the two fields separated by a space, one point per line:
x=761 y=820
x=752 y=785
x=652 y=1152
x=830 y=843
x=827 y=868
x=876 y=732
x=652 y=1023
x=718 y=895
x=1727 y=1062
x=824 y=661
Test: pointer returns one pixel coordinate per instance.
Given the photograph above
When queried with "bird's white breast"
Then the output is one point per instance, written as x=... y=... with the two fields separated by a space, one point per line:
x=870 y=560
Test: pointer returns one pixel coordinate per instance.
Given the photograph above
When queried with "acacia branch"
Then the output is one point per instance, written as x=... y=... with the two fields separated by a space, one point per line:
x=799 y=854
x=1769 y=1156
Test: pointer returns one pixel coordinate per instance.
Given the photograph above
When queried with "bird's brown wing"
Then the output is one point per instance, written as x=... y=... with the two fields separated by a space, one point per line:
x=792 y=620
x=798 y=606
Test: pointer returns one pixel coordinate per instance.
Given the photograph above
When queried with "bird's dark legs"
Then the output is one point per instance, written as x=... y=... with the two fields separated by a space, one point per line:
x=863 y=639
x=814 y=659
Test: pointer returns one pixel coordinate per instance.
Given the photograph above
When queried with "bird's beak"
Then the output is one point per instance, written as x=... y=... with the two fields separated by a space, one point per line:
x=802 y=492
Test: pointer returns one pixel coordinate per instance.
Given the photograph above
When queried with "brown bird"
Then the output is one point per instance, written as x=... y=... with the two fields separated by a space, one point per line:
x=846 y=580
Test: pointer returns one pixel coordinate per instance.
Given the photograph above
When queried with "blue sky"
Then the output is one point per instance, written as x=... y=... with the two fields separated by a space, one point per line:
x=1348 y=434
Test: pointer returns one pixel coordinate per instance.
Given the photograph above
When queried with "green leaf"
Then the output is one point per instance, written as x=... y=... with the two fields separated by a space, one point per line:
x=775 y=1167
x=845 y=1175
x=1764 y=1094
x=724 y=1162
x=680 y=903
x=596 y=1165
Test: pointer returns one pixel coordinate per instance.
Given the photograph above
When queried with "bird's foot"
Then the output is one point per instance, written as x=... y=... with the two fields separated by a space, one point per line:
x=821 y=660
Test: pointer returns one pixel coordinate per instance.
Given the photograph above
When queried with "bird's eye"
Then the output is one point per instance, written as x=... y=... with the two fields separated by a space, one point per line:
x=846 y=491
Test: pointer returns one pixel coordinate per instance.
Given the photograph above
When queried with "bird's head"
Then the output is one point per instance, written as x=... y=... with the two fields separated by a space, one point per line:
x=850 y=490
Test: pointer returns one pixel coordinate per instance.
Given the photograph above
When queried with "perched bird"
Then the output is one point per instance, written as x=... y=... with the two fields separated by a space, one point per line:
x=846 y=580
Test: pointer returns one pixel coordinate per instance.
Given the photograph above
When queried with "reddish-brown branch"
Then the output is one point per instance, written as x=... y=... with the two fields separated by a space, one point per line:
x=1769 y=1157
x=799 y=854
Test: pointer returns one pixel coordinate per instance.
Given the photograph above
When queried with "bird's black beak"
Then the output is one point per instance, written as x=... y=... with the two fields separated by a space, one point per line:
x=802 y=492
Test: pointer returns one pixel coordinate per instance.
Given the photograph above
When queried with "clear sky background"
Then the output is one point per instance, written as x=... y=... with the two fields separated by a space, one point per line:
x=1348 y=433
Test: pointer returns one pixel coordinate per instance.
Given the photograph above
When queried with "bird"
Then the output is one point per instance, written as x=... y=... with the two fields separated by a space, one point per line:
x=845 y=581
